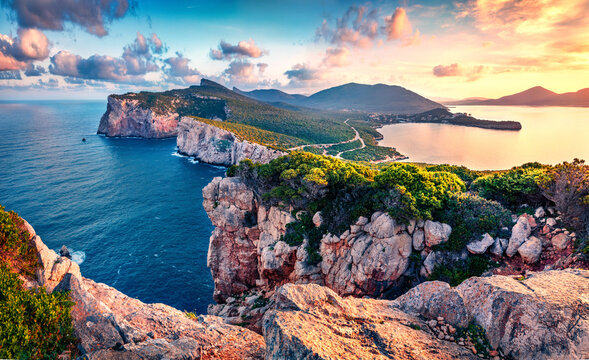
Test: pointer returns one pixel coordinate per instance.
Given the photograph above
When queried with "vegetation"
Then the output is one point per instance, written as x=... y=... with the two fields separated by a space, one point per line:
x=454 y=274
x=254 y=134
x=567 y=186
x=464 y=173
x=336 y=149
x=33 y=323
x=372 y=153
x=513 y=188
x=470 y=217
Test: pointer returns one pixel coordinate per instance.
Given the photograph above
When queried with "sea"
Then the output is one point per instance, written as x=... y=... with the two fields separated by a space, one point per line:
x=130 y=210
x=549 y=135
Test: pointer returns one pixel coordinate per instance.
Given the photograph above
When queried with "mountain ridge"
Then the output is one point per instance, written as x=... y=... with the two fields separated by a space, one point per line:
x=378 y=98
x=534 y=96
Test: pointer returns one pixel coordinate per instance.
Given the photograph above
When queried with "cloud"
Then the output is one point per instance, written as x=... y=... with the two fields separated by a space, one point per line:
x=448 y=70
x=10 y=75
x=137 y=60
x=303 y=72
x=357 y=27
x=92 y=15
x=138 y=55
x=397 y=25
x=179 y=71
x=361 y=27
x=335 y=57
x=243 y=49
x=29 y=45
x=33 y=70
x=262 y=68
x=455 y=69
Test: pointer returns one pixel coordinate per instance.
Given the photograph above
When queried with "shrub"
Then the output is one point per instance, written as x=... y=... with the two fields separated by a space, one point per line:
x=470 y=217
x=464 y=173
x=421 y=191
x=514 y=187
x=14 y=243
x=567 y=185
x=454 y=274
x=33 y=324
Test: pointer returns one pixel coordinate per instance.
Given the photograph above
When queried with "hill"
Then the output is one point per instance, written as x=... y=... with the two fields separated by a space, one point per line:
x=536 y=96
x=379 y=98
x=272 y=96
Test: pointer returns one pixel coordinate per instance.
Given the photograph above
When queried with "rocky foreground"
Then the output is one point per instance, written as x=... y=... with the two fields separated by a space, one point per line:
x=543 y=316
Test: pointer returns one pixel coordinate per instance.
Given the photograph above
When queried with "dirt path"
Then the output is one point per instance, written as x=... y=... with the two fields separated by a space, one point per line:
x=325 y=146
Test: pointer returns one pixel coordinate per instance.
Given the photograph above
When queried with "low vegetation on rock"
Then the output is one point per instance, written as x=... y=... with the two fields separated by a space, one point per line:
x=34 y=324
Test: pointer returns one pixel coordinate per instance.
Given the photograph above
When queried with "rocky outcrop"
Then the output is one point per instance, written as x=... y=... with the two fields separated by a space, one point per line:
x=313 y=322
x=544 y=316
x=111 y=325
x=213 y=145
x=129 y=117
x=247 y=250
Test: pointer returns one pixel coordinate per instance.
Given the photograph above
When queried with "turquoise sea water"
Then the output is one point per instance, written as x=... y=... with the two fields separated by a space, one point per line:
x=129 y=209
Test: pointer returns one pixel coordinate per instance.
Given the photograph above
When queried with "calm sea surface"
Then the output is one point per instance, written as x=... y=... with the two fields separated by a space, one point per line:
x=130 y=210
x=549 y=135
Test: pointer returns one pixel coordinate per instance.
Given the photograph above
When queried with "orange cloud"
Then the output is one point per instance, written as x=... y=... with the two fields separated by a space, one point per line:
x=397 y=25
x=336 y=57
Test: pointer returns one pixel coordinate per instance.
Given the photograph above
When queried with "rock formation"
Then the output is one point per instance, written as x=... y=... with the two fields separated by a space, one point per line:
x=128 y=117
x=213 y=145
x=247 y=250
x=111 y=325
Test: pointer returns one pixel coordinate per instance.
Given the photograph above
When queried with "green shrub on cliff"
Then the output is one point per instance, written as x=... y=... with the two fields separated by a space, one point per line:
x=422 y=191
x=514 y=187
x=470 y=217
x=33 y=323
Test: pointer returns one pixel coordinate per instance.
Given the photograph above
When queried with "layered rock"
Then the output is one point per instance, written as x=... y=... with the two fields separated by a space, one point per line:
x=541 y=317
x=130 y=117
x=213 y=145
x=247 y=250
x=111 y=325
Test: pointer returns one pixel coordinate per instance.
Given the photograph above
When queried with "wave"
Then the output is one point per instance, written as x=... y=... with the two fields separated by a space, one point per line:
x=78 y=256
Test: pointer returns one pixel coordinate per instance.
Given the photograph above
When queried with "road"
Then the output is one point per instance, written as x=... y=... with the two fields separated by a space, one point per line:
x=325 y=146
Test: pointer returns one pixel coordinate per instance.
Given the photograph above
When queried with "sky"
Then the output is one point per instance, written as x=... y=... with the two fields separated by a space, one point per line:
x=87 y=49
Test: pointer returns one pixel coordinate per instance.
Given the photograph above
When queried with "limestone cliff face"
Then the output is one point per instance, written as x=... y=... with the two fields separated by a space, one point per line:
x=246 y=249
x=127 y=117
x=111 y=325
x=213 y=145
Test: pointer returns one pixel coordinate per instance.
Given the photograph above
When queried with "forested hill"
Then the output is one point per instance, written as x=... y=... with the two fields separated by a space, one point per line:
x=379 y=98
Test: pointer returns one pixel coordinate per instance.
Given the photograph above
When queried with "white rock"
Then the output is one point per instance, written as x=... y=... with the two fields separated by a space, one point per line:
x=519 y=234
x=480 y=246
x=560 y=241
x=418 y=239
x=530 y=250
x=318 y=219
x=436 y=233
x=497 y=249
x=539 y=213
x=550 y=222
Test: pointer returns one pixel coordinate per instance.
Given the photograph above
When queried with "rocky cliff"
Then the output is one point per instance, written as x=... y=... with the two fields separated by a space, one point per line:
x=111 y=325
x=213 y=145
x=130 y=117
x=541 y=316
x=247 y=249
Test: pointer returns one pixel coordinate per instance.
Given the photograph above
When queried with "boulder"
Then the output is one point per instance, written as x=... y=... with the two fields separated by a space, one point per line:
x=497 y=248
x=436 y=233
x=318 y=219
x=530 y=250
x=560 y=241
x=539 y=213
x=519 y=234
x=480 y=246
x=313 y=322
x=418 y=239
x=551 y=222
x=542 y=317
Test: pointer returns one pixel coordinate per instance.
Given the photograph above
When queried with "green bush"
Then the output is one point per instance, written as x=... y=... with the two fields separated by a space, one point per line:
x=33 y=324
x=514 y=187
x=421 y=192
x=454 y=274
x=464 y=173
x=470 y=217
